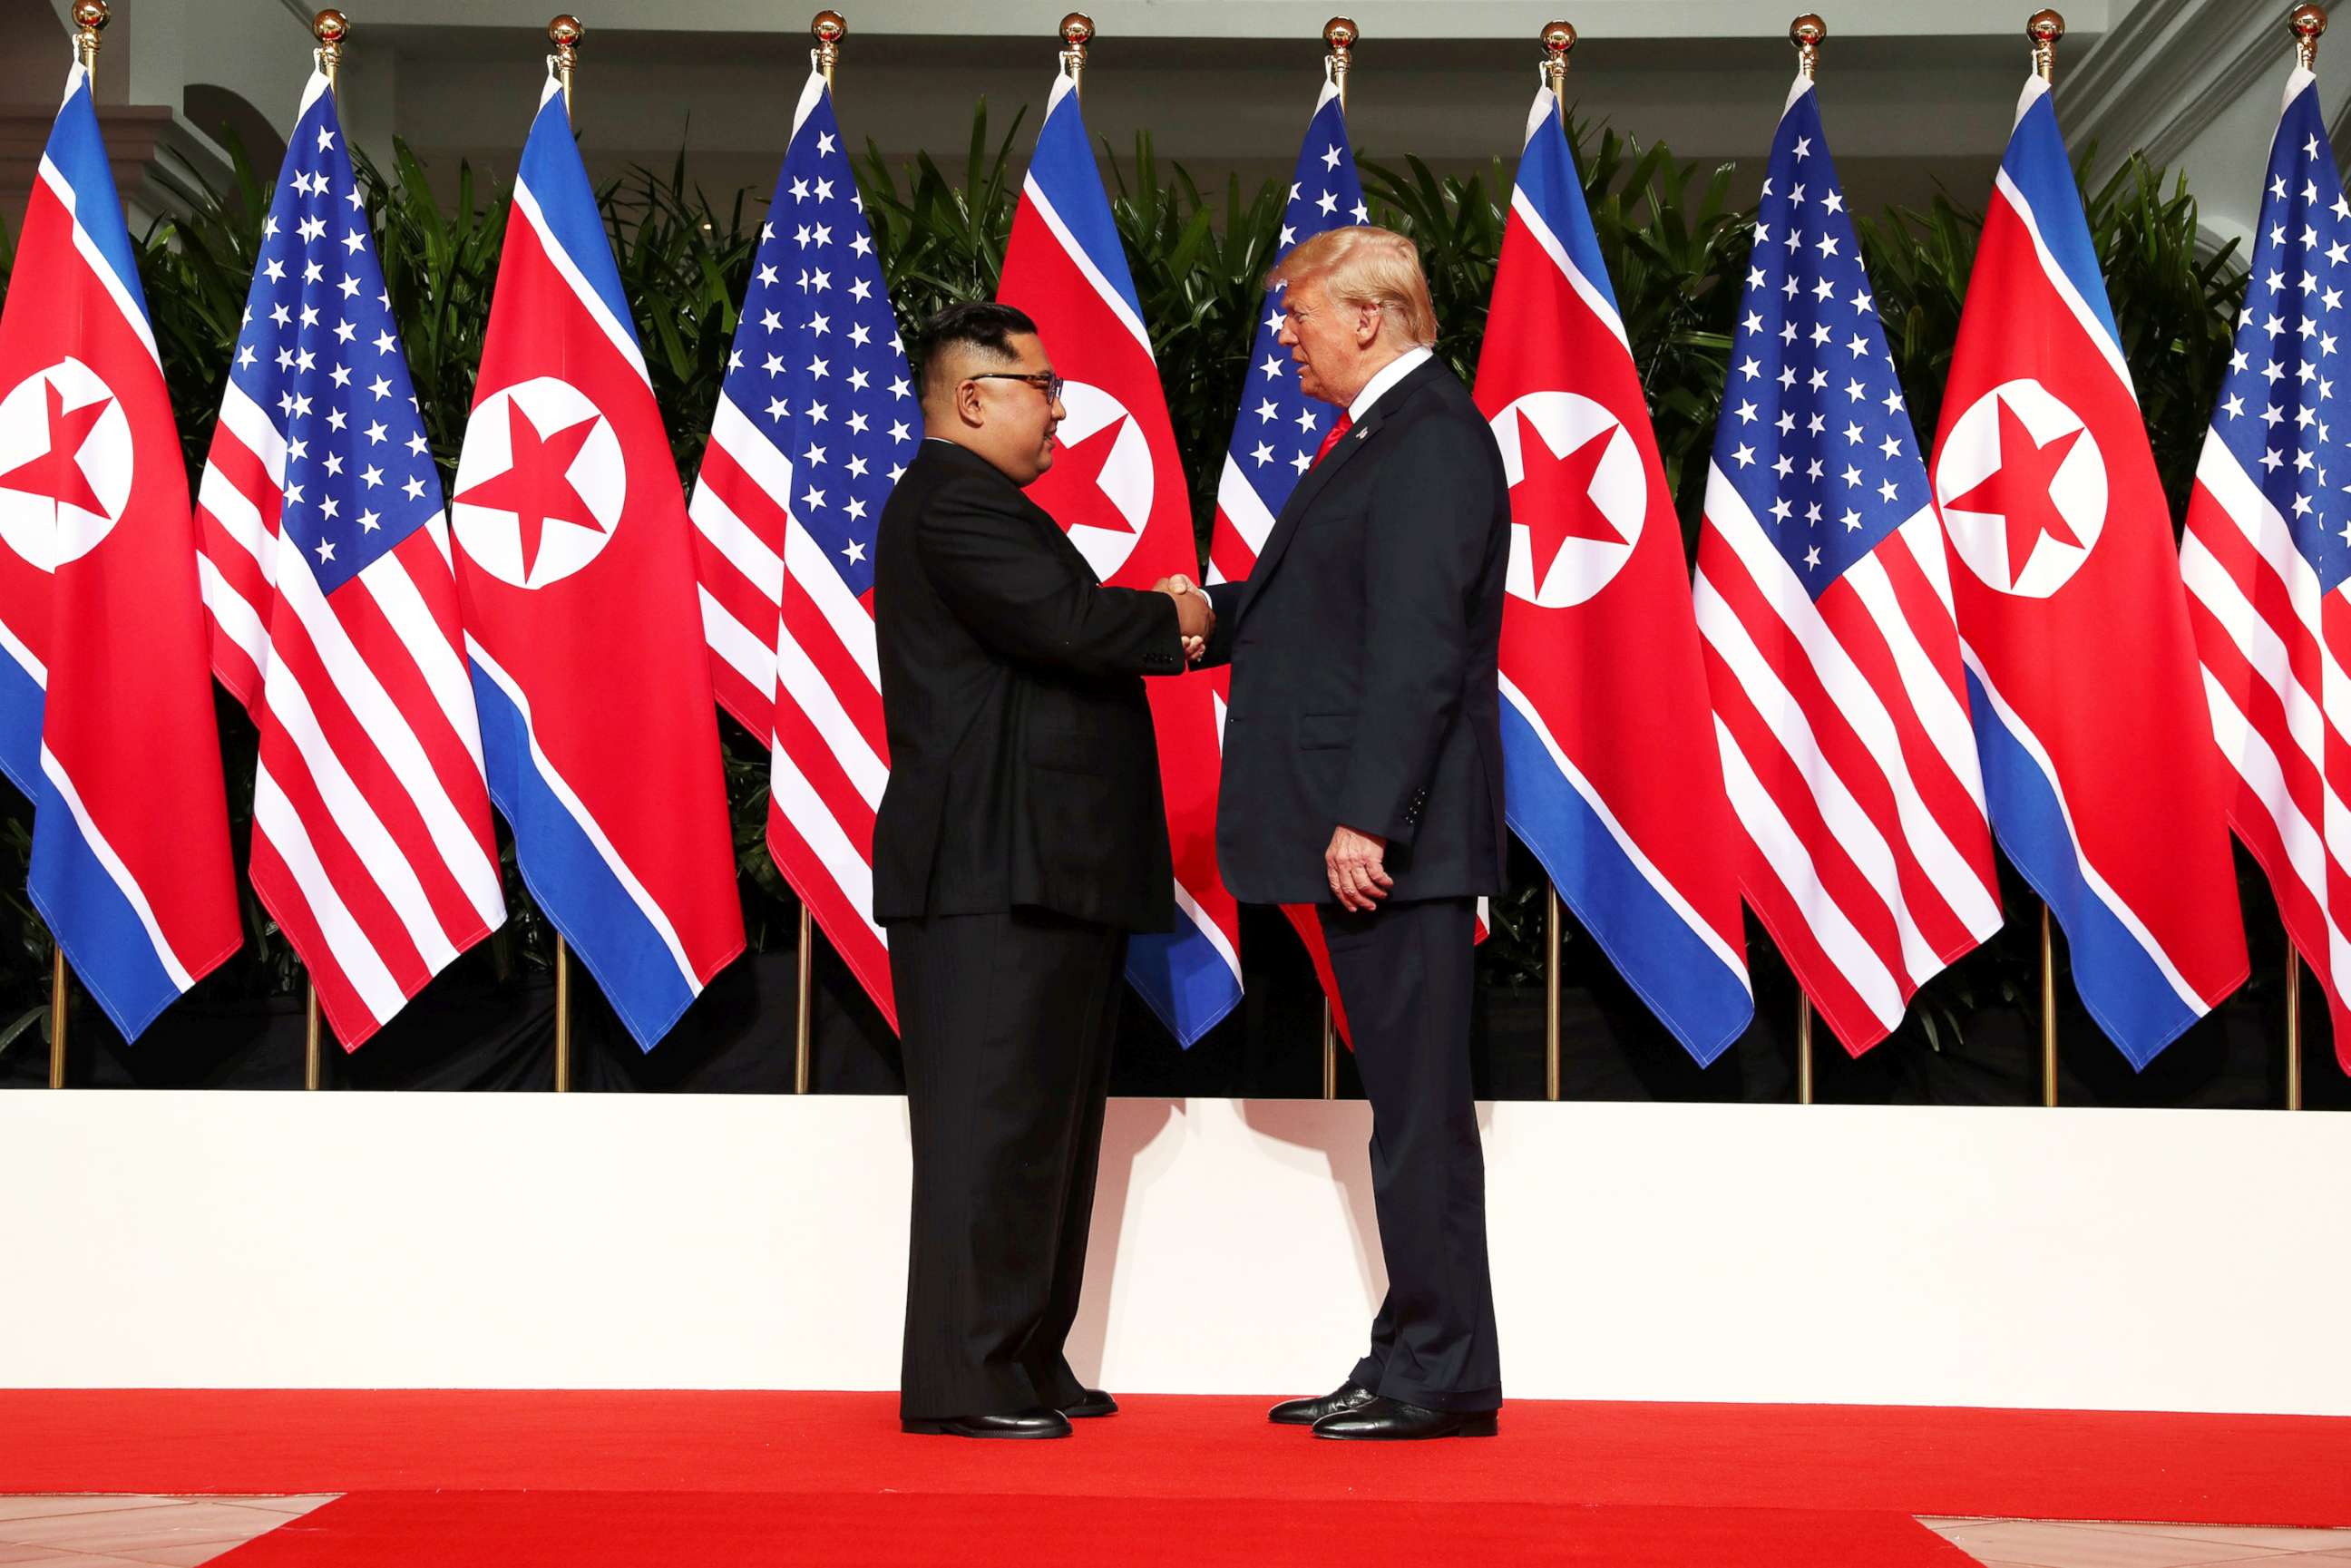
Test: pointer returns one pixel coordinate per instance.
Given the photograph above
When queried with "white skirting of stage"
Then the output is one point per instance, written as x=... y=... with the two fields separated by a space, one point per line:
x=2151 y=1260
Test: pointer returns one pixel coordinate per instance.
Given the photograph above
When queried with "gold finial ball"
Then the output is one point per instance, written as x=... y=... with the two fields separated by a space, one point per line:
x=330 y=26
x=2046 y=27
x=1808 y=31
x=829 y=27
x=566 y=31
x=1077 y=29
x=89 y=14
x=2307 y=21
x=1559 y=38
x=1340 y=33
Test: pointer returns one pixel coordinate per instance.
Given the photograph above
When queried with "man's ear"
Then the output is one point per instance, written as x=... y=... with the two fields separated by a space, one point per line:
x=967 y=405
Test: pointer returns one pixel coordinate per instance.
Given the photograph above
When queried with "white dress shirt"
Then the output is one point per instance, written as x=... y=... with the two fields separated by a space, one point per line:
x=1395 y=371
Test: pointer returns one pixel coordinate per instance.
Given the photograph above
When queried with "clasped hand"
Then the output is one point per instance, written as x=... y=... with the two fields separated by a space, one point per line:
x=1195 y=618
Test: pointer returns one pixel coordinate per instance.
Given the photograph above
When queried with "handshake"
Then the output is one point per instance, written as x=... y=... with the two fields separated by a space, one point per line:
x=1196 y=619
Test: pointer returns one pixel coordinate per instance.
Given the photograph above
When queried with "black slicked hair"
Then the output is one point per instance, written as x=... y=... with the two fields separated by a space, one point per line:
x=975 y=323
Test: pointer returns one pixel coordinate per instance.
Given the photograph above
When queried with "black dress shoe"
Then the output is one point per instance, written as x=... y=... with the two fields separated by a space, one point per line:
x=1090 y=1402
x=1306 y=1412
x=1394 y=1421
x=1037 y=1423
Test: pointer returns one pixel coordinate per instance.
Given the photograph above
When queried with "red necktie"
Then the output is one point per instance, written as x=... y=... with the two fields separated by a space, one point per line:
x=1346 y=422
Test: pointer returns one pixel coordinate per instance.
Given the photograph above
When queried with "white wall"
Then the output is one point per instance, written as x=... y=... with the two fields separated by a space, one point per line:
x=2186 y=1260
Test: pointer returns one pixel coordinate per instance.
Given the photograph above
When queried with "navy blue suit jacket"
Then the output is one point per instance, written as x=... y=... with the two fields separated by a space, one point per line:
x=1363 y=649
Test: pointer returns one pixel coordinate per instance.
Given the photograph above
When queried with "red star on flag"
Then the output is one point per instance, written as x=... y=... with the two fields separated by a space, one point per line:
x=55 y=474
x=1085 y=501
x=1553 y=494
x=2018 y=491
x=537 y=487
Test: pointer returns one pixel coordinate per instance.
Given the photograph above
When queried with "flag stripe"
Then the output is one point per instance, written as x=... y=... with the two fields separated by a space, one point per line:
x=1851 y=860
x=357 y=986
x=1820 y=921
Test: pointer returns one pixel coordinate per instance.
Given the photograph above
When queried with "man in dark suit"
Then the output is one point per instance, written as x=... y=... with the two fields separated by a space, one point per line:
x=1020 y=839
x=1362 y=773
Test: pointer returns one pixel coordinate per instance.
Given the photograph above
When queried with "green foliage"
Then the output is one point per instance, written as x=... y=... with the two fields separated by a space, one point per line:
x=1674 y=246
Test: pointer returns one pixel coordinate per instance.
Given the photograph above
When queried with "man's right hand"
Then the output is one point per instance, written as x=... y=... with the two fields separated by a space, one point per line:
x=1194 y=617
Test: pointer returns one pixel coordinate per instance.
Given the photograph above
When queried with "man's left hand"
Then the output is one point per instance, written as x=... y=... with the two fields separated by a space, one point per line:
x=1354 y=863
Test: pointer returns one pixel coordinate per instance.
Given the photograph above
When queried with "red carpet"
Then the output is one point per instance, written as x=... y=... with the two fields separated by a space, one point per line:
x=599 y=1479
x=658 y=1530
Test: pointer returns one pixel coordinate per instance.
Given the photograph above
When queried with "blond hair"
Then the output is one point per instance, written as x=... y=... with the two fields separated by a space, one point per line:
x=1363 y=266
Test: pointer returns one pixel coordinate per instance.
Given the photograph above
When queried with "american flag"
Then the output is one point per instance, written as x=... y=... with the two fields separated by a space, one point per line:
x=1279 y=427
x=816 y=420
x=1825 y=601
x=333 y=612
x=2268 y=548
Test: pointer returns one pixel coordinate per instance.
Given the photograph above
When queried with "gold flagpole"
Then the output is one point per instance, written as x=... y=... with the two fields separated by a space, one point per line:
x=565 y=33
x=58 y=983
x=1804 y=1048
x=1550 y=993
x=2044 y=28
x=1077 y=32
x=1340 y=34
x=330 y=27
x=313 y=1031
x=1807 y=32
x=2293 y=1026
x=1558 y=39
x=828 y=28
x=90 y=20
x=2048 y=1012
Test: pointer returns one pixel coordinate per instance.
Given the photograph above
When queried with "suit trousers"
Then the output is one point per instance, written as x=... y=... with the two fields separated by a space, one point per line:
x=1006 y=1021
x=1404 y=973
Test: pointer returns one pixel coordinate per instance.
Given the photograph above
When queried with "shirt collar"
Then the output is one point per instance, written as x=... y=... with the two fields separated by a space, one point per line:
x=1395 y=371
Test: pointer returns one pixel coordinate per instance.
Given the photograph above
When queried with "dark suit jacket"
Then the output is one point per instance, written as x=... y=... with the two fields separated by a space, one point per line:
x=1023 y=769
x=1362 y=649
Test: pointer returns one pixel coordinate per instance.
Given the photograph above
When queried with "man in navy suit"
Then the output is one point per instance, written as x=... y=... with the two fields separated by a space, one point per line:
x=1362 y=773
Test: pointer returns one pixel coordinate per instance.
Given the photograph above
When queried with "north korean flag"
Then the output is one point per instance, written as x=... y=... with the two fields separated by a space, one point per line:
x=1117 y=486
x=582 y=621
x=1610 y=770
x=2105 y=788
x=106 y=709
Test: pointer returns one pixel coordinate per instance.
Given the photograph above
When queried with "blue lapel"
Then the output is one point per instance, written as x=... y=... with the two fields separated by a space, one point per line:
x=1318 y=477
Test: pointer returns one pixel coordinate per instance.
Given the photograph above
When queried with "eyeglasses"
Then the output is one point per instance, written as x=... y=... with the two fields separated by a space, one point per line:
x=1045 y=381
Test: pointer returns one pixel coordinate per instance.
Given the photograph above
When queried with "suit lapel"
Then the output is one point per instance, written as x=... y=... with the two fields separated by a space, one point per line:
x=1293 y=511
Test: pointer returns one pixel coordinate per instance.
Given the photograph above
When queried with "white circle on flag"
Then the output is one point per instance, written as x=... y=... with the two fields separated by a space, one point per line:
x=2021 y=486
x=65 y=464
x=1618 y=493
x=1101 y=485
x=536 y=517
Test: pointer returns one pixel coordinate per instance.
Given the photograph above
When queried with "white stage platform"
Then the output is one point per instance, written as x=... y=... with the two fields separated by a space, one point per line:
x=2150 y=1260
